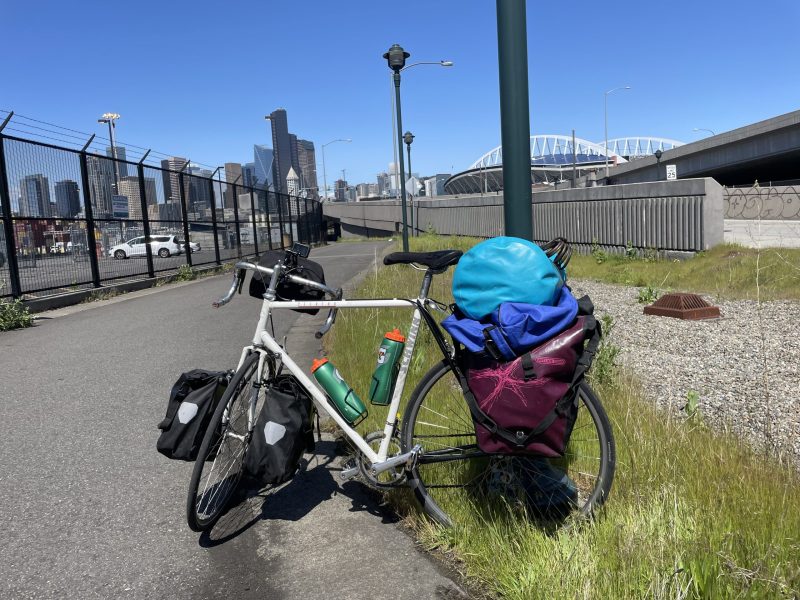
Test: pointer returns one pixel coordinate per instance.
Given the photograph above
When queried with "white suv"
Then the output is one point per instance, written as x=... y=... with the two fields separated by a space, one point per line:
x=162 y=245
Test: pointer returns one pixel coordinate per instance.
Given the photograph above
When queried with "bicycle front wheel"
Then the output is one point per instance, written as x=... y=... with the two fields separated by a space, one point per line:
x=453 y=477
x=218 y=467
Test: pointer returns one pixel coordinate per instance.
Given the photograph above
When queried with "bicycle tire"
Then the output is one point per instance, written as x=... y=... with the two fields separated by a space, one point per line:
x=226 y=439
x=461 y=475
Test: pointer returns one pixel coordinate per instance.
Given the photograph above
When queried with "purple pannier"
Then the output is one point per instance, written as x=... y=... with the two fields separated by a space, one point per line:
x=533 y=397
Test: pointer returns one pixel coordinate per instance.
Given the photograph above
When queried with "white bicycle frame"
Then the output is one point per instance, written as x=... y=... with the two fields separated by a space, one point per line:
x=263 y=342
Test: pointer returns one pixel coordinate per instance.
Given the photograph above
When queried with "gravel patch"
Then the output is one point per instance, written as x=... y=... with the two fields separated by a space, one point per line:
x=746 y=375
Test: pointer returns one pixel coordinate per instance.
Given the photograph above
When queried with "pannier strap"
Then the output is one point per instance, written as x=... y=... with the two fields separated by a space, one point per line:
x=527 y=366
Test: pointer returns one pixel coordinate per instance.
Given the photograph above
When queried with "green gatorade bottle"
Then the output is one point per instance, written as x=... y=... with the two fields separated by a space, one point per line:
x=385 y=375
x=347 y=403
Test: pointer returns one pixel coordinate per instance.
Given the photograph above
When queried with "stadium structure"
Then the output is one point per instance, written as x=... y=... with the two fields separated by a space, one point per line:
x=553 y=158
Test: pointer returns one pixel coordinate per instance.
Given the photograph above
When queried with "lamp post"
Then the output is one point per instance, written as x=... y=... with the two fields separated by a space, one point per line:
x=658 y=154
x=441 y=63
x=704 y=129
x=408 y=137
x=396 y=58
x=110 y=118
x=324 y=170
x=605 y=116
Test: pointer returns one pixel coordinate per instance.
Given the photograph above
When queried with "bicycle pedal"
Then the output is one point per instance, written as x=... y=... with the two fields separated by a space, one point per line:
x=349 y=470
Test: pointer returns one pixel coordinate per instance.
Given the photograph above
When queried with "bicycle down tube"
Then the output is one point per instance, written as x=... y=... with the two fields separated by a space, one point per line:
x=262 y=339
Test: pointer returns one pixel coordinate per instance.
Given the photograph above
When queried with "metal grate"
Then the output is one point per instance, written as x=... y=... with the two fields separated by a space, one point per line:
x=682 y=306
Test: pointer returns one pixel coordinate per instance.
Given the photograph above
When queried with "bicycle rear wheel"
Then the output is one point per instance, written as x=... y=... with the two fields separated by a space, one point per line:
x=453 y=476
x=218 y=467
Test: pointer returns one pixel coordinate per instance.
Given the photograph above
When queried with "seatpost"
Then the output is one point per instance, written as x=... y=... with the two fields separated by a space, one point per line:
x=426 y=284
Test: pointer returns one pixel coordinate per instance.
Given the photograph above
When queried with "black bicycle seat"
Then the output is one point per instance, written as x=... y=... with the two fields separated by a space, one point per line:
x=438 y=260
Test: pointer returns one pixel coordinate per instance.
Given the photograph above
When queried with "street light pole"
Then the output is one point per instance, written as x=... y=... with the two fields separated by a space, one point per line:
x=408 y=137
x=110 y=118
x=324 y=170
x=441 y=63
x=704 y=129
x=605 y=118
x=396 y=57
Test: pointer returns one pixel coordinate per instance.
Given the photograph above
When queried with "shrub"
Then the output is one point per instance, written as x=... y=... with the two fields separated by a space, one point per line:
x=14 y=315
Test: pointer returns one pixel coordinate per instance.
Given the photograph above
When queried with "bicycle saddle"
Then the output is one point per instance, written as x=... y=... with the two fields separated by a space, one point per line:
x=437 y=261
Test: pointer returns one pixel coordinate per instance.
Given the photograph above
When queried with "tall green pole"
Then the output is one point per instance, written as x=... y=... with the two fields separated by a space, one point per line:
x=396 y=77
x=512 y=46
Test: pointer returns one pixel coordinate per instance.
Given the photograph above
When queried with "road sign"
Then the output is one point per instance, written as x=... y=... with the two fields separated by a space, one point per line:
x=672 y=172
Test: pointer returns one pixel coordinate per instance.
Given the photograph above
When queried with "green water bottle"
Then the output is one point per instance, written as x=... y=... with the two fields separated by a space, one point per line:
x=348 y=404
x=385 y=375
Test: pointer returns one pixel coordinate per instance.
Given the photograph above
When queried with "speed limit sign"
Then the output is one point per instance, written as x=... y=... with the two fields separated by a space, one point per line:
x=672 y=172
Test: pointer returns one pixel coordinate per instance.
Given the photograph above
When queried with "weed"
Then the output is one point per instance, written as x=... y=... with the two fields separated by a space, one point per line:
x=692 y=406
x=598 y=254
x=648 y=295
x=185 y=273
x=605 y=362
x=631 y=253
x=14 y=315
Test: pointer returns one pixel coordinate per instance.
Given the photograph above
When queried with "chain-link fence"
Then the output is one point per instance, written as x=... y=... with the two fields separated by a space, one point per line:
x=74 y=219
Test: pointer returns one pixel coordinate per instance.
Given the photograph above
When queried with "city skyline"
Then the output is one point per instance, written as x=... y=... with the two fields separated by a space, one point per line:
x=678 y=82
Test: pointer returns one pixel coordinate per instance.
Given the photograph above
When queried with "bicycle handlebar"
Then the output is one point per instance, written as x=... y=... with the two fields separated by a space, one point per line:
x=238 y=282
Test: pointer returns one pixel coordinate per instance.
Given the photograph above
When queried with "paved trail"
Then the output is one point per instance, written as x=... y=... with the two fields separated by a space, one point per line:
x=90 y=510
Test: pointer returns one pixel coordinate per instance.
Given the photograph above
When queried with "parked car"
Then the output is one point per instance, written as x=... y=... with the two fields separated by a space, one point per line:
x=161 y=245
x=193 y=246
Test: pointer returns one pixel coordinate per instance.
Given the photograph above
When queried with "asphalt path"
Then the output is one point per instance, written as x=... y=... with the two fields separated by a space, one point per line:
x=91 y=510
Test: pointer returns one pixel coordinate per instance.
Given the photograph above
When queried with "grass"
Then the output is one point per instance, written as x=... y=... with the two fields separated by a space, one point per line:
x=693 y=513
x=726 y=271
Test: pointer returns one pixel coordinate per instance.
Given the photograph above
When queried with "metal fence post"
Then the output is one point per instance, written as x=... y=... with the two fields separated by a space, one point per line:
x=185 y=211
x=8 y=224
x=145 y=216
x=236 y=219
x=253 y=214
x=280 y=219
x=214 y=219
x=289 y=211
x=87 y=207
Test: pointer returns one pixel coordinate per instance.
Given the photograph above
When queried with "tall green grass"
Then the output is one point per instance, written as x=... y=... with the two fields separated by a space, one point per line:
x=693 y=513
x=727 y=271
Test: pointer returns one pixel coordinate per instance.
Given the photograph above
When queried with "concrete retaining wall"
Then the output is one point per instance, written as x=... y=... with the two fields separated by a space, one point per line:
x=769 y=202
x=684 y=215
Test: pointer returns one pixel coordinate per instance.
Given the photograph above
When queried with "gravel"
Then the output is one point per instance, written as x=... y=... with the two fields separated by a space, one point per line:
x=746 y=374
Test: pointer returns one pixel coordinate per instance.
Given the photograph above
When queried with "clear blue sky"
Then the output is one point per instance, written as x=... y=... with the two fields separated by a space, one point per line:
x=195 y=79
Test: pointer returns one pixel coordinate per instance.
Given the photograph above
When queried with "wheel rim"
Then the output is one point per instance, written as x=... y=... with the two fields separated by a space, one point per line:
x=119 y=254
x=220 y=477
x=541 y=488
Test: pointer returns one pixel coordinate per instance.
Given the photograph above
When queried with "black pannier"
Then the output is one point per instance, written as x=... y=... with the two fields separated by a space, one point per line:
x=288 y=290
x=191 y=405
x=282 y=433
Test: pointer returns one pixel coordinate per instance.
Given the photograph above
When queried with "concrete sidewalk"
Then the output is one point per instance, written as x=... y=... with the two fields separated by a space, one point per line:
x=91 y=510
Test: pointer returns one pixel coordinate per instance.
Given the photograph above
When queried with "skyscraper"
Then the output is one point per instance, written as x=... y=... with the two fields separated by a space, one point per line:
x=233 y=174
x=122 y=167
x=68 y=198
x=384 y=184
x=292 y=183
x=249 y=174
x=263 y=159
x=101 y=180
x=307 y=162
x=129 y=187
x=172 y=188
x=35 y=196
x=340 y=190
x=282 y=148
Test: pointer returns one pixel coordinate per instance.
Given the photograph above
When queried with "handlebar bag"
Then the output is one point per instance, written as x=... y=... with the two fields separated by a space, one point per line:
x=505 y=269
x=288 y=290
x=192 y=402
x=282 y=433
x=529 y=405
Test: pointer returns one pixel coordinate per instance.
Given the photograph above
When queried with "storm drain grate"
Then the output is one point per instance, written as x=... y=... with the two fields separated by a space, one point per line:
x=682 y=306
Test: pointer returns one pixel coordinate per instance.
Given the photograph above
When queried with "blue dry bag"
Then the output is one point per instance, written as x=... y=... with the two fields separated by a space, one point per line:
x=505 y=269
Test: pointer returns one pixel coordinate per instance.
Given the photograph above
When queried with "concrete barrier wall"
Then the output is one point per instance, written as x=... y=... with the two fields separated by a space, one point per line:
x=684 y=215
x=768 y=202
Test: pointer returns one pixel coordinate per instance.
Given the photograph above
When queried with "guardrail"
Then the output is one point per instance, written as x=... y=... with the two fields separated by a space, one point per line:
x=682 y=216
